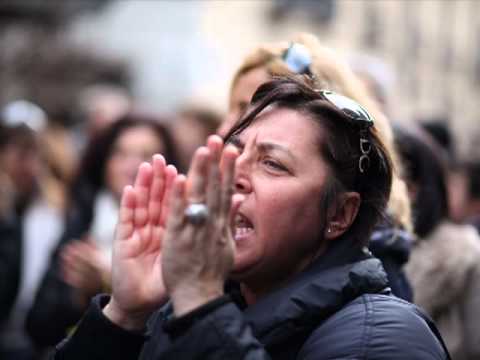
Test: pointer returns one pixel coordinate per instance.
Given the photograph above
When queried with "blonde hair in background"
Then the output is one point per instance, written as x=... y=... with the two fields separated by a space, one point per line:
x=333 y=73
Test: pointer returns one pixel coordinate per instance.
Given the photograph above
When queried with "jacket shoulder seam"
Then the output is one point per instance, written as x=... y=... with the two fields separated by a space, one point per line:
x=367 y=325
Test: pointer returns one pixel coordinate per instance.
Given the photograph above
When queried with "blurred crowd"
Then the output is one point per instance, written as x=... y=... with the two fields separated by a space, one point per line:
x=60 y=188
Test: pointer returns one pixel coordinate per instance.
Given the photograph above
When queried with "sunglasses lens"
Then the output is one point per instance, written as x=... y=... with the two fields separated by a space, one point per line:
x=298 y=59
x=349 y=107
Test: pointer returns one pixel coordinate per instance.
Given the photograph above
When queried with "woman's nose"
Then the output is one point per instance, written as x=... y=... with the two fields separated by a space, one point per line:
x=242 y=185
x=242 y=175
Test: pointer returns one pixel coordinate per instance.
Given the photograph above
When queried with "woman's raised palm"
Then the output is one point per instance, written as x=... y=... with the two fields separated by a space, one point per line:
x=137 y=283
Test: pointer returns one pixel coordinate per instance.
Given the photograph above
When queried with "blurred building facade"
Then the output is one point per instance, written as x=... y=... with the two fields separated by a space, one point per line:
x=39 y=63
x=425 y=53
x=433 y=48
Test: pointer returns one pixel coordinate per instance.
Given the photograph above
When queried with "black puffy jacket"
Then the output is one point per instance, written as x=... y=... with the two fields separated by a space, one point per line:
x=392 y=246
x=339 y=308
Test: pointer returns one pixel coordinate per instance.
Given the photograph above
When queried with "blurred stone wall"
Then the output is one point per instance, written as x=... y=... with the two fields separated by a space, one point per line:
x=175 y=50
x=430 y=46
x=39 y=63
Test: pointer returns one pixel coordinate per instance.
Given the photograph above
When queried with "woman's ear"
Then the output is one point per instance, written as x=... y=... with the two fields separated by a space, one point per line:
x=344 y=215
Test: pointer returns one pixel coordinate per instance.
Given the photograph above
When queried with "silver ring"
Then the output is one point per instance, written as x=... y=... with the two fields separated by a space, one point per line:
x=196 y=214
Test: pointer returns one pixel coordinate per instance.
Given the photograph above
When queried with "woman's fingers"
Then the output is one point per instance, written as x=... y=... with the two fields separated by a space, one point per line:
x=215 y=146
x=82 y=279
x=177 y=203
x=72 y=277
x=147 y=200
x=72 y=265
x=197 y=176
x=157 y=189
x=89 y=254
x=73 y=250
x=229 y=156
x=170 y=176
x=142 y=187
x=80 y=257
x=66 y=261
x=126 y=214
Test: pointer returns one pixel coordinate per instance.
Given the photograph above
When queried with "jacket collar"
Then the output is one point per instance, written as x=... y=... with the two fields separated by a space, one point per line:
x=339 y=276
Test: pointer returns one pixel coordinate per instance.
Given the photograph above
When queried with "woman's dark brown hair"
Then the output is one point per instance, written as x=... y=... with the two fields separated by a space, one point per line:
x=340 y=148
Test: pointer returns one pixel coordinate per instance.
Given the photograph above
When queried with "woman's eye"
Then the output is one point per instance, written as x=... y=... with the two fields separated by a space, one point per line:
x=272 y=164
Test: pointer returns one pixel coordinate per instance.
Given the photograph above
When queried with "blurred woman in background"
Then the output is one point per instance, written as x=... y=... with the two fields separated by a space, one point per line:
x=80 y=267
x=444 y=267
x=31 y=211
x=191 y=128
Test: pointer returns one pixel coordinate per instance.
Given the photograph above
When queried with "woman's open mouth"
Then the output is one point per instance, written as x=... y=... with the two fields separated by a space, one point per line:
x=242 y=227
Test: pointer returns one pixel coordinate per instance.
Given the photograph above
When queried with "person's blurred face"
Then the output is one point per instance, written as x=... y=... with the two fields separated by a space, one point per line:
x=132 y=147
x=104 y=111
x=241 y=95
x=281 y=173
x=22 y=164
x=189 y=135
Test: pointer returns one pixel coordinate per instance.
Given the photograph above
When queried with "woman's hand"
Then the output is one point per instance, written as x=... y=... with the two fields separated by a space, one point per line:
x=197 y=258
x=86 y=268
x=137 y=283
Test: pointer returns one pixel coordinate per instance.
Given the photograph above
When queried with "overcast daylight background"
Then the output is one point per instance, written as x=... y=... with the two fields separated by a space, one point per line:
x=425 y=53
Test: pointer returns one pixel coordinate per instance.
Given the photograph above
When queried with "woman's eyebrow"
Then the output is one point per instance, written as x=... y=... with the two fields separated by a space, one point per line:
x=269 y=146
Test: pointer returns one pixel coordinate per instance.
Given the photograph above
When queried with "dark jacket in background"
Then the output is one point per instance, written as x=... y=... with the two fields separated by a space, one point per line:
x=54 y=312
x=339 y=308
x=392 y=246
x=10 y=263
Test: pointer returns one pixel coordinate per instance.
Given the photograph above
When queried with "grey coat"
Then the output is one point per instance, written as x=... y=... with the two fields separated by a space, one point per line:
x=444 y=271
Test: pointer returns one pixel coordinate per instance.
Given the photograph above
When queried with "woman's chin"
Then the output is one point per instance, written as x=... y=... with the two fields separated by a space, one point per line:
x=244 y=263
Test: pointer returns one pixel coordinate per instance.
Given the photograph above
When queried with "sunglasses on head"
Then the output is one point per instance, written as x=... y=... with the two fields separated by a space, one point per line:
x=350 y=108
x=360 y=117
x=298 y=60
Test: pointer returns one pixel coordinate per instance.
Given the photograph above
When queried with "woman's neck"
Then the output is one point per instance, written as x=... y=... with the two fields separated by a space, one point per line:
x=248 y=294
x=253 y=292
x=256 y=287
